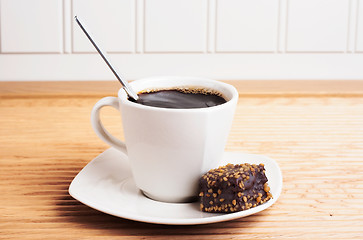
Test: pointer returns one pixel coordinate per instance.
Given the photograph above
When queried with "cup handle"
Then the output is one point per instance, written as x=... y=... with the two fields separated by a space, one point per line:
x=100 y=129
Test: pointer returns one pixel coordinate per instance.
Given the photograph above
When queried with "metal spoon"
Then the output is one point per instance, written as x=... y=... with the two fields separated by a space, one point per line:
x=124 y=83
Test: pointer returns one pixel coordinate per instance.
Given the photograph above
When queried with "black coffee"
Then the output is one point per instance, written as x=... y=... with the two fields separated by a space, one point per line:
x=180 y=98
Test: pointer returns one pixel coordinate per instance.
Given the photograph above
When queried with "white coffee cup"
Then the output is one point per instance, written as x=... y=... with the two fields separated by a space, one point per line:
x=170 y=149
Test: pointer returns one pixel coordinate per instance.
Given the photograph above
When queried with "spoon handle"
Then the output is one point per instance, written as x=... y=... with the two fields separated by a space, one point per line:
x=103 y=54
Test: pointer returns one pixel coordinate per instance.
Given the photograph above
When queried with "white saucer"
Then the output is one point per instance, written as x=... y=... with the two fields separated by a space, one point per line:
x=106 y=184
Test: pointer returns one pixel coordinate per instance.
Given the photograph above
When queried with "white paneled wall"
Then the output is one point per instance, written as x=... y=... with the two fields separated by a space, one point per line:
x=175 y=26
x=222 y=39
x=247 y=26
x=31 y=26
x=317 y=25
x=112 y=20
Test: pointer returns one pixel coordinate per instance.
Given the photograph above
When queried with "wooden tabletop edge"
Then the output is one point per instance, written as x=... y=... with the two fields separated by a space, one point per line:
x=245 y=88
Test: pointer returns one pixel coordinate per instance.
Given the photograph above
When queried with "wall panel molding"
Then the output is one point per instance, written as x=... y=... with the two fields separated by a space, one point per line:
x=212 y=19
x=359 y=28
x=140 y=13
x=67 y=26
x=282 y=26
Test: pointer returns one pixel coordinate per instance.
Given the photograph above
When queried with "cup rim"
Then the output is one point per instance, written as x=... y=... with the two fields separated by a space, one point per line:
x=232 y=91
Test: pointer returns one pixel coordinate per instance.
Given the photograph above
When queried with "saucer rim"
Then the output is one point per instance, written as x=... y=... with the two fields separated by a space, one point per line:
x=214 y=218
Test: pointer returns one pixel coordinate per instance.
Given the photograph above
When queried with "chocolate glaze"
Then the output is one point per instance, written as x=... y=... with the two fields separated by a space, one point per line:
x=234 y=188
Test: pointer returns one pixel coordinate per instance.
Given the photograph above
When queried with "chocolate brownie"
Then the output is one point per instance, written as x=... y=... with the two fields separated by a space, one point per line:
x=234 y=188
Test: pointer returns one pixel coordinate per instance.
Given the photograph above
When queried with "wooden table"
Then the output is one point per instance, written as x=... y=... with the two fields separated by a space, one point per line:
x=314 y=130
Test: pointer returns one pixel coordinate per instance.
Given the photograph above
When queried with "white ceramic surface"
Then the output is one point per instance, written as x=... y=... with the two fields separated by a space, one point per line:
x=106 y=184
x=169 y=149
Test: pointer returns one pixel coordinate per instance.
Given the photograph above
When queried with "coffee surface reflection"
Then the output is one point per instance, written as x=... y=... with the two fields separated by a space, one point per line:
x=180 y=98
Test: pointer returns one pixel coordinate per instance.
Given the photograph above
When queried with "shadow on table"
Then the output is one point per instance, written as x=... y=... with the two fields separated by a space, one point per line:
x=78 y=213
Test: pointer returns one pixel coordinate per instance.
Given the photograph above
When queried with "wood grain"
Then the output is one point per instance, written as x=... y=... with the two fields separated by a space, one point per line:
x=317 y=139
x=245 y=87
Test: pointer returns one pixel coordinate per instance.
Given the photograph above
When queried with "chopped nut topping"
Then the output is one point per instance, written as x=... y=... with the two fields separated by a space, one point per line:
x=222 y=189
